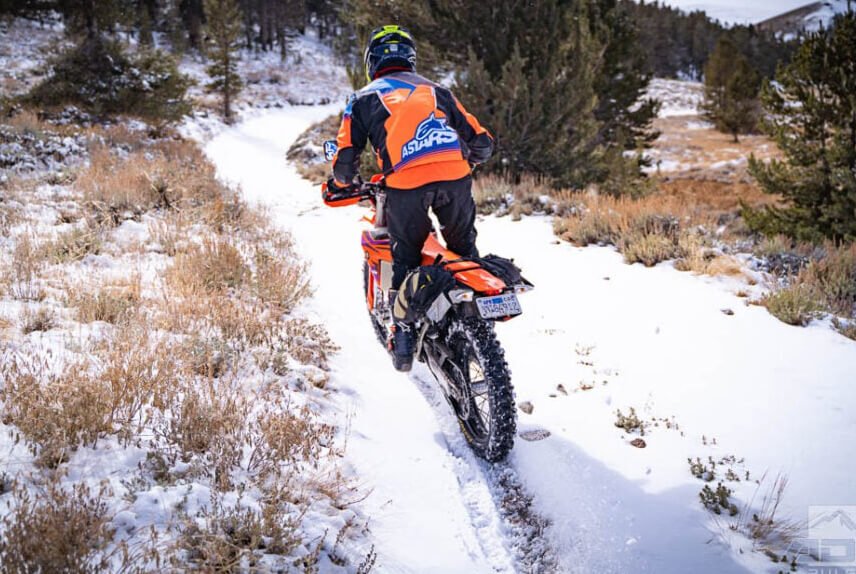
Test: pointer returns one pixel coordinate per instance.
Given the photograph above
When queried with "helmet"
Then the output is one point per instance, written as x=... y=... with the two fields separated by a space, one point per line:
x=389 y=47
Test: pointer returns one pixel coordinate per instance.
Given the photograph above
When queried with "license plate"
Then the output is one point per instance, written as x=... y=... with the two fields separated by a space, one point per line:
x=499 y=306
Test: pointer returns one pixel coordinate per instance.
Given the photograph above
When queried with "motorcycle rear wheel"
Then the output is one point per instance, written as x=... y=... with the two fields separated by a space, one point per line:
x=486 y=413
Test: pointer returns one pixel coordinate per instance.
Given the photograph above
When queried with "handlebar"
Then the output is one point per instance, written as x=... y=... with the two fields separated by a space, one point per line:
x=365 y=190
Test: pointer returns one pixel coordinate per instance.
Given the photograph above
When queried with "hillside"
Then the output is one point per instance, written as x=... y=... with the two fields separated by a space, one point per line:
x=809 y=17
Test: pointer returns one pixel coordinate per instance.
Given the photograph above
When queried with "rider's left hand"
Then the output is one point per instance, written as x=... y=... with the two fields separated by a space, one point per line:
x=335 y=187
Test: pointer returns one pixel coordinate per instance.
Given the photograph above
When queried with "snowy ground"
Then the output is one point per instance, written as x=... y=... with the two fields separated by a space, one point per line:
x=711 y=376
x=689 y=145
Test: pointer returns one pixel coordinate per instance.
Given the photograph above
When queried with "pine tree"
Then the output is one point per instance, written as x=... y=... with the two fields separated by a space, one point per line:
x=538 y=98
x=623 y=112
x=731 y=90
x=811 y=110
x=224 y=28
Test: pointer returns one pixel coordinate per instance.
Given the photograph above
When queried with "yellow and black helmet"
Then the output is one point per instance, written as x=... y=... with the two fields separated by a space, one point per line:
x=390 y=48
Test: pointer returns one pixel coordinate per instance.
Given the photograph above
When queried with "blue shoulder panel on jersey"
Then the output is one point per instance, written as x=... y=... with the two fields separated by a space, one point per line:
x=349 y=106
x=386 y=85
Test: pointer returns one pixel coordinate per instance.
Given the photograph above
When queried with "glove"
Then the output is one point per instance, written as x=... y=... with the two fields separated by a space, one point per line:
x=333 y=187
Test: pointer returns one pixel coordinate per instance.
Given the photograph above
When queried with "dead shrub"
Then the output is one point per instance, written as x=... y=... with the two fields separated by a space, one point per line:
x=170 y=234
x=22 y=272
x=846 y=328
x=42 y=319
x=10 y=216
x=56 y=530
x=287 y=435
x=698 y=257
x=209 y=422
x=138 y=372
x=208 y=356
x=595 y=227
x=833 y=276
x=55 y=412
x=280 y=278
x=492 y=194
x=238 y=321
x=213 y=266
x=497 y=195
x=648 y=249
x=74 y=244
x=228 y=211
x=108 y=303
x=307 y=343
x=826 y=284
x=225 y=538
x=796 y=304
x=169 y=174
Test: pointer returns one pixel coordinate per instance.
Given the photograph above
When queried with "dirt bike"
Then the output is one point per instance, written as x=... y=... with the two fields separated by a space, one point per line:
x=456 y=338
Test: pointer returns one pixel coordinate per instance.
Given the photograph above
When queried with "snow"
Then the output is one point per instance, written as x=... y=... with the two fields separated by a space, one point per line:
x=615 y=337
x=677 y=97
x=738 y=11
x=823 y=16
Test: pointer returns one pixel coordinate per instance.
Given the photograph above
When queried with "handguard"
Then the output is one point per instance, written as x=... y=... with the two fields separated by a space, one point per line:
x=350 y=196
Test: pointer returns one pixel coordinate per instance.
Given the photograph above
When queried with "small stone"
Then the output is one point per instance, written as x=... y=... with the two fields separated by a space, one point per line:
x=526 y=407
x=552 y=395
x=606 y=278
x=638 y=443
x=728 y=311
x=534 y=434
x=561 y=388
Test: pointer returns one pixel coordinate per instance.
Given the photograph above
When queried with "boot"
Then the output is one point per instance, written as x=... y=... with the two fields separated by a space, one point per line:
x=402 y=346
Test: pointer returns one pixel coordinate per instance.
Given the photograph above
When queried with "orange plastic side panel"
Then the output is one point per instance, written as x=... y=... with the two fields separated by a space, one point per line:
x=375 y=251
x=467 y=272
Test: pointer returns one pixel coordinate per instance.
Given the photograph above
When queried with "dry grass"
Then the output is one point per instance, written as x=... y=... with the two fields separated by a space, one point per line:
x=56 y=530
x=190 y=365
x=58 y=409
x=210 y=421
x=168 y=175
x=496 y=195
x=41 y=319
x=55 y=412
x=26 y=121
x=22 y=272
x=73 y=245
x=795 y=305
x=170 y=235
x=214 y=266
x=224 y=538
x=108 y=303
x=826 y=285
x=280 y=278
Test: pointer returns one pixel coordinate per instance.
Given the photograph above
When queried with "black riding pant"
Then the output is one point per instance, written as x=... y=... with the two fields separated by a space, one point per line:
x=409 y=224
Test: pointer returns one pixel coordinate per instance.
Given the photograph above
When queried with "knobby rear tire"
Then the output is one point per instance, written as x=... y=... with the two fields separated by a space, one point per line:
x=477 y=336
x=379 y=329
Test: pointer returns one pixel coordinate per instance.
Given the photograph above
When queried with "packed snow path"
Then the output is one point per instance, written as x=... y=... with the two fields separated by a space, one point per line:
x=596 y=336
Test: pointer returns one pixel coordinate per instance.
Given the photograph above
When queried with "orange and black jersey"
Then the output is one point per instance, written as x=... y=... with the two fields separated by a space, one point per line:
x=419 y=131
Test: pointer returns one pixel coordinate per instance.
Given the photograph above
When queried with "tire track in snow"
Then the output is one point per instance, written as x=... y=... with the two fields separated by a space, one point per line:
x=521 y=529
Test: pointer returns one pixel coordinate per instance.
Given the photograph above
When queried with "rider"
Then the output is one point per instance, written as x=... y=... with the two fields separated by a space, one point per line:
x=425 y=142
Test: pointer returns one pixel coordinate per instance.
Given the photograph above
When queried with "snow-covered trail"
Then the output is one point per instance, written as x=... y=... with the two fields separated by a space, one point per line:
x=426 y=514
x=614 y=337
